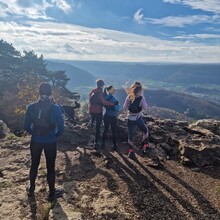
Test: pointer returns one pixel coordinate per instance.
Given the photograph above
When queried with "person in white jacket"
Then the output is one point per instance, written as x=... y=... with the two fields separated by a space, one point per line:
x=135 y=104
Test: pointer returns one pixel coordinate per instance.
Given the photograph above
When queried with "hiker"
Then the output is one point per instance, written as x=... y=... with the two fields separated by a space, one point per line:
x=96 y=102
x=110 y=116
x=44 y=121
x=135 y=103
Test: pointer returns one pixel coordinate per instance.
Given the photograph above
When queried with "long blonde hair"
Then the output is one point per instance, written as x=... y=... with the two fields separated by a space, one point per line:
x=134 y=89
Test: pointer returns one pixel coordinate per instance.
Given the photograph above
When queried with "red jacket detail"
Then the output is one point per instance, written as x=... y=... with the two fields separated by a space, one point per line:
x=98 y=108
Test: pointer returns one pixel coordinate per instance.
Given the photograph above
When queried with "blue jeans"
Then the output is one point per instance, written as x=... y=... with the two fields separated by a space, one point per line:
x=131 y=124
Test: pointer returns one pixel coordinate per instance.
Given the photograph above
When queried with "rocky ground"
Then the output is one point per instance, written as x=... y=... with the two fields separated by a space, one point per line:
x=109 y=185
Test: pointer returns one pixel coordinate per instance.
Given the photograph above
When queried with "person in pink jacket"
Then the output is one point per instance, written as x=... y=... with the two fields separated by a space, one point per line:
x=135 y=104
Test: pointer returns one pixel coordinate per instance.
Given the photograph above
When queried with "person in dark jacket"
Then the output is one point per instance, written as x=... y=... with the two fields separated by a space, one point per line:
x=110 y=116
x=44 y=121
x=96 y=102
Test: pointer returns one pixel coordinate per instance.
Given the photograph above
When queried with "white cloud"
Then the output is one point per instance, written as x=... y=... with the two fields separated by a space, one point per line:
x=34 y=9
x=71 y=42
x=138 y=16
x=205 y=5
x=199 y=36
x=63 y=5
x=181 y=21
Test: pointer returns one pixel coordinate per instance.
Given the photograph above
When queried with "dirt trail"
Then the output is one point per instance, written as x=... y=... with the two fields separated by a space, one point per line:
x=107 y=186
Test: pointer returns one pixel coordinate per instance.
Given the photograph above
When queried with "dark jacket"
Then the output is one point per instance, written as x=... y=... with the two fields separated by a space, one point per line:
x=56 y=118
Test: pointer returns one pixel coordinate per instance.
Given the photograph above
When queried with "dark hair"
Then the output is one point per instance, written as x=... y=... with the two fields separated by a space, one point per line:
x=107 y=88
x=100 y=82
x=45 y=89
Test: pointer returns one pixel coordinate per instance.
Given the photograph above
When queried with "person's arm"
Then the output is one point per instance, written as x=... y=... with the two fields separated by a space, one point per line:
x=126 y=103
x=144 y=104
x=27 y=121
x=104 y=102
x=59 y=121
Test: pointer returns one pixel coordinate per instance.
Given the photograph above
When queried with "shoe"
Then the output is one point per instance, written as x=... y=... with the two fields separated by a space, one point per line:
x=131 y=154
x=31 y=191
x=115 y=148
x=145 y=148
x=51 y=196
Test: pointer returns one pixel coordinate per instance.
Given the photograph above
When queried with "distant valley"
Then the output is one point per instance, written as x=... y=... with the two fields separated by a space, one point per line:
x=189 y=90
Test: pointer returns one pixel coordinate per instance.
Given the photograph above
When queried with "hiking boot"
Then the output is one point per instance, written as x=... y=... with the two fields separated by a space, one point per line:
x=31 y=191
x=115 y=147
x=51 y=196
x=131 y=155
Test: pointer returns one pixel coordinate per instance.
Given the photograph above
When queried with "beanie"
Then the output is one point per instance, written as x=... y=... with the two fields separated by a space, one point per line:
x=45 y=89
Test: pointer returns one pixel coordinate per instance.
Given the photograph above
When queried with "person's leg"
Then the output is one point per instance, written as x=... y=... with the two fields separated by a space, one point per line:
x=114 y=129
x=36 y=150
x=98 y=126
x=131 y=125
x=92 y=120
x=50 y=151
x=106 y=127
x=143 y=127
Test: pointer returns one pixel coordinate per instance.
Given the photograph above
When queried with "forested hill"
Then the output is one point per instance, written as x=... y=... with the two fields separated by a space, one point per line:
x=170 y=73
x=77 y=76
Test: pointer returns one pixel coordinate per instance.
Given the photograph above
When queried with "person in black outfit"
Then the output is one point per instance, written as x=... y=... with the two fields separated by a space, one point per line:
x=44 y=121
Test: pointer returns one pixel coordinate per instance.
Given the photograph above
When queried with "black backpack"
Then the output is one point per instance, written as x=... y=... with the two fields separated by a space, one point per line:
x=41 y=118
x=134 y=106
x=94 y=99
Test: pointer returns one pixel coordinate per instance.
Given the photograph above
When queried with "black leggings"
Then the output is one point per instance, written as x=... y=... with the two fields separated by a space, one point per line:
x=50 y=151
x=110 y=120
x=97 y=117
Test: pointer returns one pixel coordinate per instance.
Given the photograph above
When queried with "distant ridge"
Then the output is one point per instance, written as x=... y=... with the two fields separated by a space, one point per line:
x=166 y=72
x=78 y=77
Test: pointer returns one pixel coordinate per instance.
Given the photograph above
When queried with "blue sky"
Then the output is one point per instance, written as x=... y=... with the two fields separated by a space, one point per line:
x=114 y=30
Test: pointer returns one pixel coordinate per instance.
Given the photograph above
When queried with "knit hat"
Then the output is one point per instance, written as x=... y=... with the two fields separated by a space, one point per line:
x=100 y=82
x=45 y=89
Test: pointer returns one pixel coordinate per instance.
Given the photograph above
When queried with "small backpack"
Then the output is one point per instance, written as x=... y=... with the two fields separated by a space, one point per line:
x=94 y=98
x=134 y=106
x=41 y=118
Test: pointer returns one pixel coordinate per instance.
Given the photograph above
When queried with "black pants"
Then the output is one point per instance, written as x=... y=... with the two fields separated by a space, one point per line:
x=97 y=117
x=110 y=120
x=50 y=151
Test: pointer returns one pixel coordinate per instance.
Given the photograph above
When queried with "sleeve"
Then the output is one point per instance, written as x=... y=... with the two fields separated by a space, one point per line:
x=144 y=104
x=90 y=94
x=104 y=102
x=28 y=120
x=59 y=121
x=126 y=104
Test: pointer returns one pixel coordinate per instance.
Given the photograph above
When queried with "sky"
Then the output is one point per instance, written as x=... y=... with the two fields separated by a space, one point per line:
x=114 y=30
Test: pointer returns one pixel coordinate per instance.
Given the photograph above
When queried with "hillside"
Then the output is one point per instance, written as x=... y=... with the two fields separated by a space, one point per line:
x=112 y=186
x=187 y=105
x=78 y=77
x=169 y=73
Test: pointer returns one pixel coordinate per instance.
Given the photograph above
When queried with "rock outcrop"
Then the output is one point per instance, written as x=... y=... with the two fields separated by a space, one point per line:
x=195 y=144
x=112 y=186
